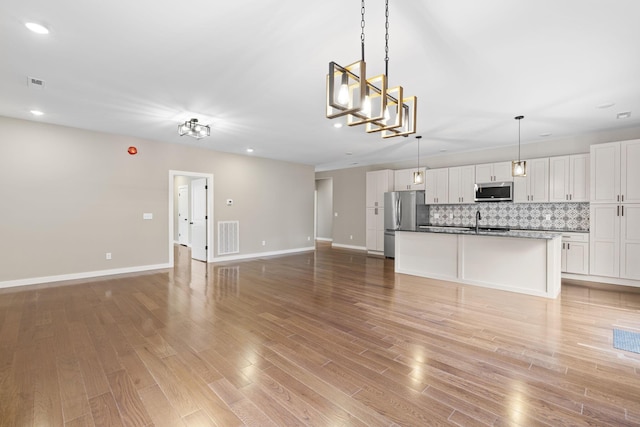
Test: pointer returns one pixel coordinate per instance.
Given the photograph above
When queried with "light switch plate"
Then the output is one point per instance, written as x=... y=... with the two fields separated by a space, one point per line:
x=147 y=216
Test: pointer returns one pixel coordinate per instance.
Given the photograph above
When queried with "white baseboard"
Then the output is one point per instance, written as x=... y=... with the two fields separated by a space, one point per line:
x=83 y=275
x=324 y=239
x=262 y=254
x=341 y=246
x=602 y=279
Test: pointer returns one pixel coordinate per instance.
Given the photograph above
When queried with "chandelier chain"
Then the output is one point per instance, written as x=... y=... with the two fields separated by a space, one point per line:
x=386 y=38
x=362 y=27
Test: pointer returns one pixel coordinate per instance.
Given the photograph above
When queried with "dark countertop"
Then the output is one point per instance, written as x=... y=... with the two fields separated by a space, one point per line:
x=526 y=234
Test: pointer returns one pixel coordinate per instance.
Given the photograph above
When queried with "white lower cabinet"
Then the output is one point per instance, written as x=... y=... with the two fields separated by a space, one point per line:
x=615 y=240
x=375 y=229
x=575 y=253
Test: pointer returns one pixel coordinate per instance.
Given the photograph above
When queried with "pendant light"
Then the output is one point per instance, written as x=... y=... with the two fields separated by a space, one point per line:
x=519 y=167
x=418 y=177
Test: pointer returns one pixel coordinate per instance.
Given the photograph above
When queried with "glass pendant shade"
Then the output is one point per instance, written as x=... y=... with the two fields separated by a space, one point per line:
x=345 y=89
x=418 y=178
x=519 y=168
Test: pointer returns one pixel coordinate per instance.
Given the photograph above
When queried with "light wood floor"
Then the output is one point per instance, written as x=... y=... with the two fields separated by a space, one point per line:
x=329 y=338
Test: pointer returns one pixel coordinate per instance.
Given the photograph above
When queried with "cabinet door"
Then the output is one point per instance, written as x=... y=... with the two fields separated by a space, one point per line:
x=430 y=194
x=403 y=179
x=442 y=186
x=455 y=184
x=630 y=172
x=630 y=241
x=484 y=173
x=576 y=258
x=559 y=179
x=372 y=183
x=605 y=173
x=467 y=184
x=604 y=244
x=375 y=229
x=538 y=177
x=521 y=189
x=502 y=172
x=563 y=258
x=579 y=178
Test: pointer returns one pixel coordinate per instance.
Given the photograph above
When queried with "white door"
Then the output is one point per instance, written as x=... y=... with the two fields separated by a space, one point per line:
x=199 y=219
x=183 y=215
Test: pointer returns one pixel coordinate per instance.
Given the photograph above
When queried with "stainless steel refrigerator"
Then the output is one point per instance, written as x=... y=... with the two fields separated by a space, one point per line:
x=403 y=210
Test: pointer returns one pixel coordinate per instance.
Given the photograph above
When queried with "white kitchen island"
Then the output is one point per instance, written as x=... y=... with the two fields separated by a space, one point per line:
x=517 y=261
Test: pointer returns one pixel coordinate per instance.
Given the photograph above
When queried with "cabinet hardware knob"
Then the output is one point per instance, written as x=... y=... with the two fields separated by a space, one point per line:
x=622 y=210
x=618 y=210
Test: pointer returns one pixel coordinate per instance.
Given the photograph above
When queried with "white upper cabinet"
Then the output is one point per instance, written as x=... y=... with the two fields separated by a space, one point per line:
x=630 y=171
x=615 y=176
x=493 y=172
x=462 y=184
x=533 y=188
x=378 y=183
x=437 y=191
x=403 y=180
x=569 y=178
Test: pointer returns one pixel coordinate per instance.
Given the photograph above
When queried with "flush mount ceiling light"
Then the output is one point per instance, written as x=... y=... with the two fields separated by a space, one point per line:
x=194 y=129
x=36 y=112
x=368 y=100
x=624 y=115
x=519 y=167
x=37 y=28
x=417 y=175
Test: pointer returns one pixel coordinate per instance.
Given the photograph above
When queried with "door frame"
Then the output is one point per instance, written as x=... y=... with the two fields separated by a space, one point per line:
x=188 y=236
x=210 y=228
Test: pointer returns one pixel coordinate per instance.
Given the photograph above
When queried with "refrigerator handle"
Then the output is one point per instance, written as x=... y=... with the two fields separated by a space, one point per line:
x=398 y=213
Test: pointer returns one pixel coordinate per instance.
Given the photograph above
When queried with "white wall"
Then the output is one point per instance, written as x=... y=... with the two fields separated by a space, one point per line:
x=71 y=195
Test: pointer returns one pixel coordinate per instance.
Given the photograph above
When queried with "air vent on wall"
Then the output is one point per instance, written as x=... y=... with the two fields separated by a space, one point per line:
x=35 y=82
x=228 y=237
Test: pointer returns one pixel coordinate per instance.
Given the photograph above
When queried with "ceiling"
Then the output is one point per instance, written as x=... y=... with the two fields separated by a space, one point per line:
x=255 y=70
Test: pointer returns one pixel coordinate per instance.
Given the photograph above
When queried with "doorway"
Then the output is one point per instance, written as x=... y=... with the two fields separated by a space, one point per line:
x=324 y=209
x=202 y=195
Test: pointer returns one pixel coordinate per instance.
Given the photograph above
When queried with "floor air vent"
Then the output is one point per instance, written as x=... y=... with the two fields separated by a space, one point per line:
x=228 y=237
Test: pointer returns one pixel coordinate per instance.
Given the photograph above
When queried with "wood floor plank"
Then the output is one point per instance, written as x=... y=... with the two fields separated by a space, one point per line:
x=105 y=411
x=132 y=410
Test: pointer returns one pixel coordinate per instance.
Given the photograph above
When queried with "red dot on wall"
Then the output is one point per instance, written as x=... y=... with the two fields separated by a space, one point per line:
x=132 y=150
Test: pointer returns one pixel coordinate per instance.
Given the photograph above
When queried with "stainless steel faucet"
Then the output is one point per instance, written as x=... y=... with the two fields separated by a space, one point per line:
x=478 y=218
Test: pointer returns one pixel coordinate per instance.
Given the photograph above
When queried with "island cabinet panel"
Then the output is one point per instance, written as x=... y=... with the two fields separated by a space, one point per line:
x=517 y=264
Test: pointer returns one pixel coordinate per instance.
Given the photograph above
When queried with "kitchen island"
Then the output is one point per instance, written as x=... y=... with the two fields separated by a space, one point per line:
x=519 y=261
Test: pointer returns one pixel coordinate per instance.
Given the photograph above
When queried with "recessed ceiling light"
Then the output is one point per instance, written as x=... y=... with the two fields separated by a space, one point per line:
x=36 y=112
x=443 y=150
x=544 y=135
x=37 y=28
x=606 y=105
x=337 y=125
x=354 y=163
x=624 y=115
x=349 y=153
x=249 y=150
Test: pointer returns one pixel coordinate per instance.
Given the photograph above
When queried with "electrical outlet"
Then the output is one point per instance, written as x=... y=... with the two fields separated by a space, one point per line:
x=548 y=217
x=351 y=237
x=264 y=243
x=450 y=216
x=335 y=214
x=436 y=216
x=308 y=238
x=108 y=255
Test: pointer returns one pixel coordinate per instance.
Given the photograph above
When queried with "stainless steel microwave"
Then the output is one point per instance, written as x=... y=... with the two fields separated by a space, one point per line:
x=494 y=192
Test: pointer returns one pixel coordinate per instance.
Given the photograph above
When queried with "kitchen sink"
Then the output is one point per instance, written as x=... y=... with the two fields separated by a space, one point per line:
x=492 y=229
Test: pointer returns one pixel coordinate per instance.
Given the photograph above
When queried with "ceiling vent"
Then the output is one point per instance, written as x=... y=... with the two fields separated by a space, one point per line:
x=35 y=82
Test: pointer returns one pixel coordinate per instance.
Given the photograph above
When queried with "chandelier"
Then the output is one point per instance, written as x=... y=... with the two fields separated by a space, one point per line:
x=194 y=129
x=370 y=101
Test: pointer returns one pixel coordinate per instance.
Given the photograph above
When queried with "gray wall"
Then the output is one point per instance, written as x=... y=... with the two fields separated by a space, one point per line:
x=70 y=195
x=324 y=187
x=349 y=185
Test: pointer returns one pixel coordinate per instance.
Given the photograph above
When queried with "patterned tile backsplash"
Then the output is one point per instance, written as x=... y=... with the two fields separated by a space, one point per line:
x=562 y=216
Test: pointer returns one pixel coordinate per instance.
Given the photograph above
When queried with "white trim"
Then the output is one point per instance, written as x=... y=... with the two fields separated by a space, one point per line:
x=602 y=279
x=83 y=275
x=357 y=248
x=324 y=239
x=210 y=228
x=263 y=254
